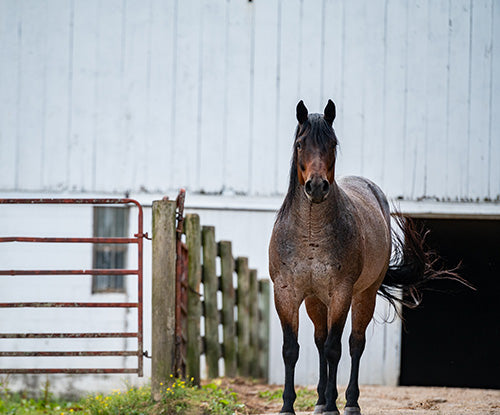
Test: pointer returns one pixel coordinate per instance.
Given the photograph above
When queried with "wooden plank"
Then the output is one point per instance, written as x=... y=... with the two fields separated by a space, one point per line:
x=375 y=143
x=264 y=127
x=210 y=287
x=288 y=94
x=132 y=169
x=495 y=108
x=10 y=56
x=458 y=100
x=253 y=296
x=32 y=93
x=163 y=294
x=480 y=84
x=109 y=97
x=210 y=145
x=309 y=54
x=332 y=44
x=83 y=114
x=436 y=105
x=186 y=124
x=160 y=100
x=264 y=327
x=243 y=304
x=238 y=97
x=394 y=140
x=351 y=150
x=58 y=94
x=228 y=302
x=416 y=101
x=193 y=242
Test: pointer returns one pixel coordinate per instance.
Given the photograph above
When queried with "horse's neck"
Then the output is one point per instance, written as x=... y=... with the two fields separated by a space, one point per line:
x=317 y=218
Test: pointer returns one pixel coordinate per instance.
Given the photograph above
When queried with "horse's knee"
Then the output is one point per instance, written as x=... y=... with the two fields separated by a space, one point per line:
x=333 y=348
x=290 y=347
x=357 y=343
x=320 y=343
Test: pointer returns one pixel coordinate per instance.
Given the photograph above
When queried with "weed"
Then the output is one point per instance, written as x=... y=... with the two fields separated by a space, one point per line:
x=178 y=397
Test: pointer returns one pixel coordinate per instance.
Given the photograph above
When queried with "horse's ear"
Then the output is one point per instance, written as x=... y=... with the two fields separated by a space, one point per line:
x=301 y=112
x=329 y=112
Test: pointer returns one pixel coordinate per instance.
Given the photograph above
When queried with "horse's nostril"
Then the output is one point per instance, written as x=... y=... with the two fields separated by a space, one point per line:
x=308 y=187
x=325 y=186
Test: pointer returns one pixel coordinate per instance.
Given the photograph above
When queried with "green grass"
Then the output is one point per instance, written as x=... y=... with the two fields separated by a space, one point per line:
x=306 y=398
x=178 y=397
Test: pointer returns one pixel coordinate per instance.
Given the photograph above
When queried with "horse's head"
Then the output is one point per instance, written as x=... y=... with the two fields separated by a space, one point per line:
x=315 y=151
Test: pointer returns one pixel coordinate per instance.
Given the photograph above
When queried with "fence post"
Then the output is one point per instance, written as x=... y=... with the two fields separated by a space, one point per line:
x=228 y=301
x=243 y=316
x=163 y=295
x=210 y=287
x=254 y=324
x=264 y=306
x=193 y=242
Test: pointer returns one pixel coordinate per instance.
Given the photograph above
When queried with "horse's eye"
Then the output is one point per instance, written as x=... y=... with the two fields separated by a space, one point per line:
x=298 y=145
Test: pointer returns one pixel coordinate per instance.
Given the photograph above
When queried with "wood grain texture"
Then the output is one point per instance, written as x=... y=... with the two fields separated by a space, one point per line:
x=163 y=294
x=193 y=242
x=210 y=287
x=228 y=303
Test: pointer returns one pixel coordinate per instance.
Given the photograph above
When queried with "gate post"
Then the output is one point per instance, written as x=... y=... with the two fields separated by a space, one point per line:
x=163 y=295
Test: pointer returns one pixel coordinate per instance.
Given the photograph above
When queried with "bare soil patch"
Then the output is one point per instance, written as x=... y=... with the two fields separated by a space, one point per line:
x=384 y=400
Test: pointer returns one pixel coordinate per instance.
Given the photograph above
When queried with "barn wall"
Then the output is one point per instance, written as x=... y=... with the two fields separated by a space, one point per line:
x=131 y=95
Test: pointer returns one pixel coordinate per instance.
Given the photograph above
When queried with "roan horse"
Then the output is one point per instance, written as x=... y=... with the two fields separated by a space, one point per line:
x=331 y=247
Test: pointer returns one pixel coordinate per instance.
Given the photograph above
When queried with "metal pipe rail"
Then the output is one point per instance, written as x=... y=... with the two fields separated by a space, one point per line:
x=137 y=239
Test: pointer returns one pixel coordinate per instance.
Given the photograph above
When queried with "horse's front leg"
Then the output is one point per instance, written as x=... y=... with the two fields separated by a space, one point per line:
x=318 y=312
x=337 y=314
x=288 y=311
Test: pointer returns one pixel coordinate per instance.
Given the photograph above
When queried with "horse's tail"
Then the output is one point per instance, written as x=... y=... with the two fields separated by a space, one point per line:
x=414 y=266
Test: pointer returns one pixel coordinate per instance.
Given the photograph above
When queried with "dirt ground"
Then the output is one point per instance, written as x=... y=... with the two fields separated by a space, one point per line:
x=385 y=400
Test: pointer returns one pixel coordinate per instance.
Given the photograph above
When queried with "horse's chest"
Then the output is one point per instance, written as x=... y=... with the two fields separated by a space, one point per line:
x=311 y=264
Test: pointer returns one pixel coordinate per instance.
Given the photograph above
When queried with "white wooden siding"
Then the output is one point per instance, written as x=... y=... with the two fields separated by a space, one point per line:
x=129 y=95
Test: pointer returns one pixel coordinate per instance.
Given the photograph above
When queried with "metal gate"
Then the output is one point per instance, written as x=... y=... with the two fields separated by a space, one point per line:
x=137 y=239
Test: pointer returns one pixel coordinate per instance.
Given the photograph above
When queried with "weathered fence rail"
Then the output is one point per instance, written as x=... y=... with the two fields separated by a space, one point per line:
x=223 y=290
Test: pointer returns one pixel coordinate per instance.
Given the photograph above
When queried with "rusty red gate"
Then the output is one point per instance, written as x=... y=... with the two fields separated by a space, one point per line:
x=137 y=239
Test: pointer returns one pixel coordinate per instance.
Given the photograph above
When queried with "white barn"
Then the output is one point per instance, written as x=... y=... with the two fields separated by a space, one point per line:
x=131 y=97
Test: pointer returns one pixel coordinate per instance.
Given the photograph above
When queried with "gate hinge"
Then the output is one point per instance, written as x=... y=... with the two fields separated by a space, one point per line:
x=142 y=235
x=146 y=355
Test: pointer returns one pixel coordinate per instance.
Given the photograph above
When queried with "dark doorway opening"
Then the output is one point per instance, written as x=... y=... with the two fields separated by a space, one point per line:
x=453 y=338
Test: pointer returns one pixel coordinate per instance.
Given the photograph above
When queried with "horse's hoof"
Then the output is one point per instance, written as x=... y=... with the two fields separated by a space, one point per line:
x=331 y=413
x=352 y=410
x=318 y=409
x=287 y=413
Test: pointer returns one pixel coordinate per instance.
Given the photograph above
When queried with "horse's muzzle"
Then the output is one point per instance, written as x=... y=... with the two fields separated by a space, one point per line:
x=317 y=189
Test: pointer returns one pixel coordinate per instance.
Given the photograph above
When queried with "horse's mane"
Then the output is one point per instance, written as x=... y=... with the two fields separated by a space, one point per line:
x=323 y=135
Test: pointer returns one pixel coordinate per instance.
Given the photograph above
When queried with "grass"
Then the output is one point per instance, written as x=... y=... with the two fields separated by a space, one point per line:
x=178 y=397
x=306 y=398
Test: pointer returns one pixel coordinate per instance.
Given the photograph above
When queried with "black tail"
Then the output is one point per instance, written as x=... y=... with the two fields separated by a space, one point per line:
x=414 y=267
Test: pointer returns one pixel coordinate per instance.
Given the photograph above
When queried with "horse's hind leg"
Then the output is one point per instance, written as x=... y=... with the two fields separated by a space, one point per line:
x=288 y=311
x=317 y=312
x=363 y=306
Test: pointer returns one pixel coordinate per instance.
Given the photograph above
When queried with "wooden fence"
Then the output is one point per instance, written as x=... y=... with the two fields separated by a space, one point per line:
x=234 y=304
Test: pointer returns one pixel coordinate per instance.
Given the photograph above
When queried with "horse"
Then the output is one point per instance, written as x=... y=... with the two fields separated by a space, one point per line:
x=331 y=248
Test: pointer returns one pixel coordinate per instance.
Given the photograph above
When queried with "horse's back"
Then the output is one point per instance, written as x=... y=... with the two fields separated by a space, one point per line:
x=373 y=213
x=368 y=192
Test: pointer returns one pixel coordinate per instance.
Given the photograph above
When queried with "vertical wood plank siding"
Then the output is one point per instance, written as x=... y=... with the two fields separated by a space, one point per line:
x=103 y=96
